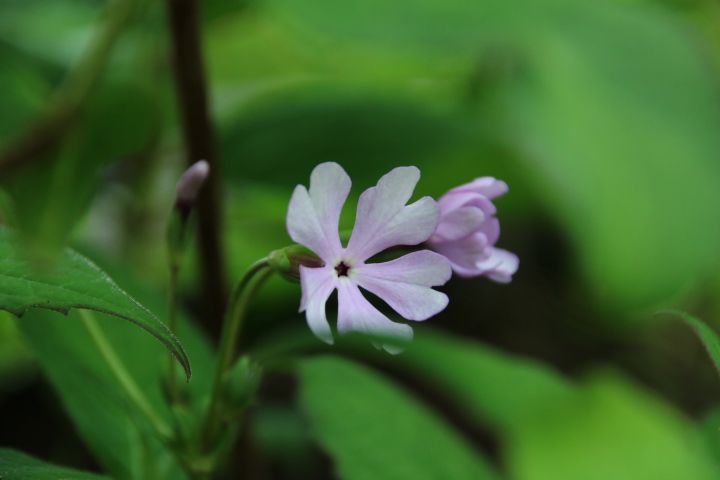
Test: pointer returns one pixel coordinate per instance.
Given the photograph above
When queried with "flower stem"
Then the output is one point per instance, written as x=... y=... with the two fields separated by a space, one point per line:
x=123 y=377
x=198 y=134
x=172 y=325
x=237 y=308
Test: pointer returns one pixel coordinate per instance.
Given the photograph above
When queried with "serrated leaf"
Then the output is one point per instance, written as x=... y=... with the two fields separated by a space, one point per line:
x=119 y=439
x=15 y=465
x=73 y=281
x=375 y=430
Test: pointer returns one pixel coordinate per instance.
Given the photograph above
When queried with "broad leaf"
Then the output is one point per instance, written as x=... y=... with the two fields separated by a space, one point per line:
x=72 y=281
x=19 y=466
x=491 y=385
x=611 y=134
x=555 y=429
x=611 y=430
x=375 y=430
x=90 y=394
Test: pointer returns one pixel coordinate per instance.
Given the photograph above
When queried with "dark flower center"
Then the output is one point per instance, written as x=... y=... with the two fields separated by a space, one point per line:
x=342 y=269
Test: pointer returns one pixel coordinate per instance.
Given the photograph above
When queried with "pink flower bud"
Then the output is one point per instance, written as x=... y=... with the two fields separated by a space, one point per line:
x=468 y=231
x=190 y=184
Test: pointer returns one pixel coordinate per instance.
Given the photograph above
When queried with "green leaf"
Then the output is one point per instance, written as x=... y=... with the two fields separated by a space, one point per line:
x=392 y=127
x=612 y=429
x=612 y=134
x=375 y=430
x=120 y=122
x=612 y=107
x=91 y=396
x=493 y=386
x=72 y=281
x=452 y=27
x=555 y=429
x=19 y=466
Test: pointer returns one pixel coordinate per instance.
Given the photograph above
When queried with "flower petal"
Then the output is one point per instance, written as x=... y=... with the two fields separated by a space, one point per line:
x=459 y=223
x=356 y=314
x=488 y=186
x=491 y=229
x=464 y=254
x=404 y=283
x=313 y=215
x=500 y=266
x=383 y=220
x=317 y=285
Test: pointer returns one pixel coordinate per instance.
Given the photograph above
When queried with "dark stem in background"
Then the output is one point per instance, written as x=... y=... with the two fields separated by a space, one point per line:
x=199 y=142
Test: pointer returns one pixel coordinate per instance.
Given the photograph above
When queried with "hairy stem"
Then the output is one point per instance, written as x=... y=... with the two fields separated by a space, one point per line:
x=199 y=142
x=123 y=377
x=239 y=302
x=45 y=134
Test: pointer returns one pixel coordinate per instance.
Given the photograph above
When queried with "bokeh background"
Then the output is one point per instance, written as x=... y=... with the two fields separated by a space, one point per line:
x=603 y=118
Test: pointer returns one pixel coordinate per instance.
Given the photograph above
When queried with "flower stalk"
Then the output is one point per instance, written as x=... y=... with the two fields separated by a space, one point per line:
x=240 y=298
x=178 y=233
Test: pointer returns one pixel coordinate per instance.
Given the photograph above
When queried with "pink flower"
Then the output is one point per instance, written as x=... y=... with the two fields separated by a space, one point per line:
x=468 y=230
x=382 y=221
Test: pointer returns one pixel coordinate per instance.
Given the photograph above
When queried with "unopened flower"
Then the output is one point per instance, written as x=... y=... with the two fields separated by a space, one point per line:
x=468 y=231
x=383 y=220
x=189 y=185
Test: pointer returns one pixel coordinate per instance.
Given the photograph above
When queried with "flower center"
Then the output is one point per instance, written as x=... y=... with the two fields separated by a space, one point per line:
x=342 y=269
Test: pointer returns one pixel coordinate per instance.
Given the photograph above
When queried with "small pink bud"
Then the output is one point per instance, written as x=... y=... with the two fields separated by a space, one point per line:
x=190 y=184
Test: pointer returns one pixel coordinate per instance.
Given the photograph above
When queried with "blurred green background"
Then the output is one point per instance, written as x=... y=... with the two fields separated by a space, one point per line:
x=603 y=118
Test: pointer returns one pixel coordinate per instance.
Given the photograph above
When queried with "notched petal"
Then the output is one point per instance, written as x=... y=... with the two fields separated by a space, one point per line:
x=405 y=283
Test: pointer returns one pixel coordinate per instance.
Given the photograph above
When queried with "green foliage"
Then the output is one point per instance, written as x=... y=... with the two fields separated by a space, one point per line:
x=72 y=281
x=493 y=386
x=18 y=466
x=610 y=430
x=120 y=440
x=321 y=123
x=554 y=429
x=611 y=106
x=615 y=135
x=71 y=174
x=601 y=115
x=375 y=430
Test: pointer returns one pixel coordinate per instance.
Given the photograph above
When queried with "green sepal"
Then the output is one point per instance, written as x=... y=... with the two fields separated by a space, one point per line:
x=240 y=386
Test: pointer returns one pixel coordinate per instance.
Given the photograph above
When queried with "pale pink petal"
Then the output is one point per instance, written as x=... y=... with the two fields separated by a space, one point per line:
x=490 y=187
x=313 y=216
x=383 y=220
x=454 y=200
x=491 y=229
x=464 y=254
x=404 y=283
x=459 y=223
x=500 y=265
x=317 y=285
x=356 y=314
